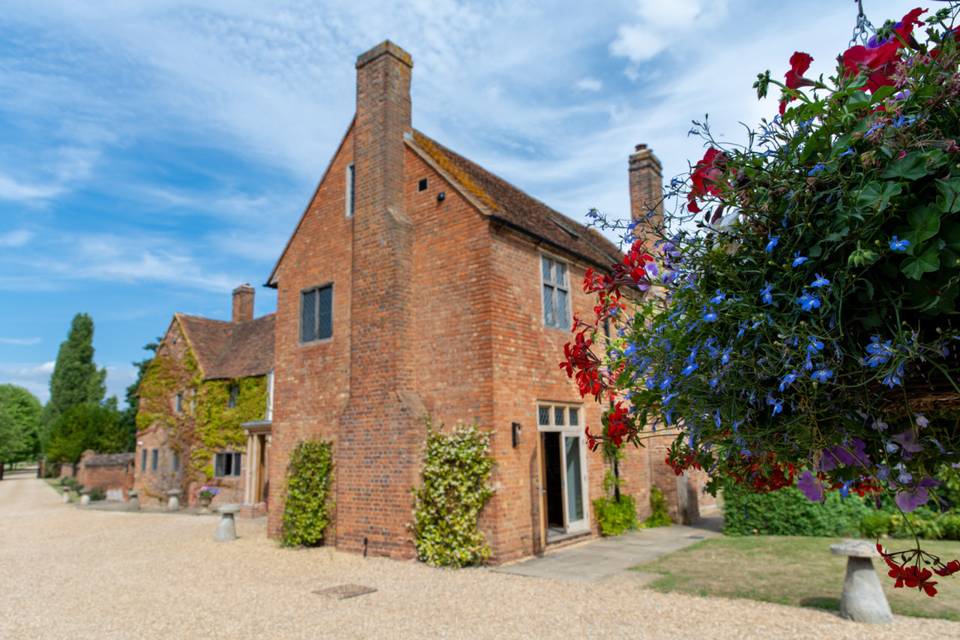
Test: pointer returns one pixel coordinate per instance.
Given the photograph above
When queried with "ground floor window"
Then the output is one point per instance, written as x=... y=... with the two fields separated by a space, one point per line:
x=154 y=459
x=226 y=465
x=563 y=468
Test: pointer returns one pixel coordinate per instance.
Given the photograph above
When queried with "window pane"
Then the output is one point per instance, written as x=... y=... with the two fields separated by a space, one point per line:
x=558 y=416
x=154 y=457
x=547 y=275
x=549 y=318
x=308 y=316
x=351 y=190
x=544 y=416
x=574 y=416
x=143 y=460
x=325 y=312
x=574 y=488
x=218 y=465
x=560 y=273
x=176 y=461
x=563 y=312
x=236 y=464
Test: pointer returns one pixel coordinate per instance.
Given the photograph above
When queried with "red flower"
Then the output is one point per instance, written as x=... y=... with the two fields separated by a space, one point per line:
x=799 y=63
x=909 y=573
x=879 y=58
x=583 y=365
x=593 y=441
x=706 y=177
x=618 y=424
x=948 y=569
x=904 y=28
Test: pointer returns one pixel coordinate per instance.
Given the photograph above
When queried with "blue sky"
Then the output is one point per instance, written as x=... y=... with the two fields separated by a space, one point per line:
x=156 y=154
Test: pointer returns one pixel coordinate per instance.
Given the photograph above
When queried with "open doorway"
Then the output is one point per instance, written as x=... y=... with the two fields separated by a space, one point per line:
x=563 y=472
x=553 y=482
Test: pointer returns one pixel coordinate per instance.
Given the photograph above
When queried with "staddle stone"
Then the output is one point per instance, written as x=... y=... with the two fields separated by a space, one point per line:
x=227 y=526
x=173 y=500
x=133 y=502
x=863 y=599
x=84 y=498
x=66 y=495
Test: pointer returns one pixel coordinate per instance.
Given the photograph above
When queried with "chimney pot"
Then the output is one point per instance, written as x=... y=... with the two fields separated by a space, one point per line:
x=243 y=297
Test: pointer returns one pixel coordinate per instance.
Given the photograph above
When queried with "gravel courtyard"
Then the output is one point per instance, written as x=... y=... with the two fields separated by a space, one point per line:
x=77 y=574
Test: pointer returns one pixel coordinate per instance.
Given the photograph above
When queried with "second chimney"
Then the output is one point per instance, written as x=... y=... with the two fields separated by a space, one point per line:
x=243 y=303
x=646 y=190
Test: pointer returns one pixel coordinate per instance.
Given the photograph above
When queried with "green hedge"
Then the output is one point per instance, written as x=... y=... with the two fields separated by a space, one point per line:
x=455 y=487
x=307 y=510
x=788 y=512
x=615 y=517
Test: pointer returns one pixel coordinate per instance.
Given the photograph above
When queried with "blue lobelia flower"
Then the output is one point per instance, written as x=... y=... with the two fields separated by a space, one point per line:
x=899 y=245
x=878 y=353
x=848 y=152
x=787 y=380
x=718 y=298
x=822 y=375
x=817 y=168
x=819 y=282
x=766 y=294
x=903 y=121
x=814 y=345
x=808 y=302
x=894 y=379
x=725 y=356
x=772 y=244
x=798 y=259
x=709 y=315
x=775 y=404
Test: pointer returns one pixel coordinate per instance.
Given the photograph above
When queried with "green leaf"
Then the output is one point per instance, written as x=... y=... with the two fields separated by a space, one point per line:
x=858 y=100
x=837 y=236
x=877 y=195
x=949 y=199
x=910 y=167
x=951 y=236
x=883 y=93
x=924 y=224
x=927 y=262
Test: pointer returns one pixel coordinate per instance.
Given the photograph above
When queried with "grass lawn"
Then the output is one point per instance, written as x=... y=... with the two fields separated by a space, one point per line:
x=797 y=571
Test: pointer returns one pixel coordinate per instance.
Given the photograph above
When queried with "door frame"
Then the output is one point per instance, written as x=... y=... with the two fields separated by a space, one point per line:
x=565 y=431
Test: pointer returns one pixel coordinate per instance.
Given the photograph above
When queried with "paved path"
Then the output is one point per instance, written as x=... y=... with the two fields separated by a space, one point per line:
x=600 y=559
x=79 y=574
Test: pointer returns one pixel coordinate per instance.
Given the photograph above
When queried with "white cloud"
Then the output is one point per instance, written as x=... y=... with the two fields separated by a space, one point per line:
x=34 y=377
x=11 y=189
x=658 y=25
x=20 y=342
x=589 y=84
x=15 y=238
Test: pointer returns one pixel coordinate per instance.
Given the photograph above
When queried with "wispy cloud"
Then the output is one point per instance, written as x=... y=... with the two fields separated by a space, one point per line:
x=15 y=238
x=20 y=342
x=11 y=189
x=34 y=377
x=589 y=84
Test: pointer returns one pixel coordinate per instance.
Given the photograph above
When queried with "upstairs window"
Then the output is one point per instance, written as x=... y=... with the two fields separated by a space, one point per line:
x=143 y=460
x=351 y=191
x=226 y=465
x=178 y=403
x=233 y=397
x=316 y=314
x=154 y=459
x=175 y=461
x=556 y=293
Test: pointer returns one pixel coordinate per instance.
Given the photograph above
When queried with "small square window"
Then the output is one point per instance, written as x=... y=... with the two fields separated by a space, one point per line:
x=574 y=417
x=234 y=396
x=226 y=465
x=422 y=185
x=316 y=314
x=544 y=416
x=558 y=416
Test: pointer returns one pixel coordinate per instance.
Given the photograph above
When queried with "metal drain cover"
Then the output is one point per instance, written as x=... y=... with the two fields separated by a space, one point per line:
x=344 y=591
x=695 y=537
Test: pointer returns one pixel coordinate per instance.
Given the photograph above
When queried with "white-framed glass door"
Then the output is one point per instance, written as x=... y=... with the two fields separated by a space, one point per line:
x=564 y=468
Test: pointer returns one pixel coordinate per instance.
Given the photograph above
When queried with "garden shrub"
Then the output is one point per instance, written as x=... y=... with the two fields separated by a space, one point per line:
x=659 y=516
x=96 y=494
x=923 y=524
x=876 y=524
x=307 y=510
x=615 y=517
x=950 y=524
x=455 y=488
x=787 y=512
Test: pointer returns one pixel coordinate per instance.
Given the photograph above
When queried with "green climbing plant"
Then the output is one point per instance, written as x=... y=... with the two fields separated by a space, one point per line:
x=306 y=513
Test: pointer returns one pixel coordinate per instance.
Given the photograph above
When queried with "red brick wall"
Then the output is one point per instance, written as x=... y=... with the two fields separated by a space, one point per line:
x=106 y=477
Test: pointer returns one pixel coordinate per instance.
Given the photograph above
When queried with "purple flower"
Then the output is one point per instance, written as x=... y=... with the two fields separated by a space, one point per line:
x=908 y=441
x=909 y=498
x=921 y=420
x=651 y=269
x=810 y=487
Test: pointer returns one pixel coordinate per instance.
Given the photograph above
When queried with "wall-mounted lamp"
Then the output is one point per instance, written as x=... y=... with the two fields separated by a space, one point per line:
x=515 y=430
x=441 y=196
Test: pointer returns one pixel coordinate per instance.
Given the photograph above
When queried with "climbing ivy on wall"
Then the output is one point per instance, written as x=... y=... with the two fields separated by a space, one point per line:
x=206 y=424
x=306 y=514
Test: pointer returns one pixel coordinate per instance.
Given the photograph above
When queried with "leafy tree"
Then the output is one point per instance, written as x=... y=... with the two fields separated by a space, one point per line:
x=19 y=424
x=129 y=417
x=86 y=426
x=76 y=379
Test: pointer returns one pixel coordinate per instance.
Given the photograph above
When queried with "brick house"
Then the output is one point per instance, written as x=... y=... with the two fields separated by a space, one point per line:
x=205 y=405
x=417 y=283
x=111 y=472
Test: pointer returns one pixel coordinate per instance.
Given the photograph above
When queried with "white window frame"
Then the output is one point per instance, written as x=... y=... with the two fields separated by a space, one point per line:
x=269 y=414
x=563 y=324
x=567 y=430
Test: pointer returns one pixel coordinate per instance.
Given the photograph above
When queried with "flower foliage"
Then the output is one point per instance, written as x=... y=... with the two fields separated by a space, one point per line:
x=306 y=512
x=797 y=319
x=455 y=488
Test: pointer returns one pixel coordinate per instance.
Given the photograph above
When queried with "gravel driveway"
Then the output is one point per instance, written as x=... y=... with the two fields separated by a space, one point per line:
x=75 y=574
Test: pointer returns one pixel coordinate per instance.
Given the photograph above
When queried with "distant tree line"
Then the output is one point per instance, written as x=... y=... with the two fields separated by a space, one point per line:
x=78 y=416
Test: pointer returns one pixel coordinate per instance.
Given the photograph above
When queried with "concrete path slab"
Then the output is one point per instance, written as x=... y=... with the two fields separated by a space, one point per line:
x=597 y=559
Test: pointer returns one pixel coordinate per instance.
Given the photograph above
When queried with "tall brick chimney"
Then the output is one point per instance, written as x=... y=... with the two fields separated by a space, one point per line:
x=380 y=429
x=243 y=303
x=646 y=189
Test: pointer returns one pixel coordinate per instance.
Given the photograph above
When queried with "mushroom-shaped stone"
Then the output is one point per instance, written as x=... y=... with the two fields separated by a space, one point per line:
x=863 y=599
x=133 y=501
x=227 y=527
x=173 y=500
x=66 y=495
x=84 y=497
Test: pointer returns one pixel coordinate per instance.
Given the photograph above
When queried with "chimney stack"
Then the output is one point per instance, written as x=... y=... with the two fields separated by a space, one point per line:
x=646 y=191
x=243 y=303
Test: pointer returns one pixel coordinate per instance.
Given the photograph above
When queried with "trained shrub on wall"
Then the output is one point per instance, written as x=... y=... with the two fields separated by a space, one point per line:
x=306 y=513
x=455 y=487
